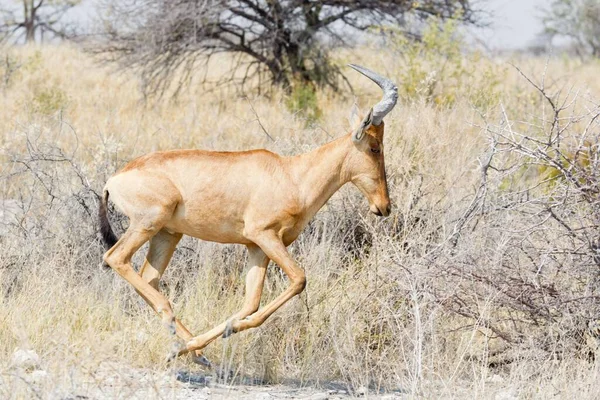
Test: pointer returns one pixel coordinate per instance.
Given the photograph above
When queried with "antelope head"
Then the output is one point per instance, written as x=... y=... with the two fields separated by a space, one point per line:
x=365 y=163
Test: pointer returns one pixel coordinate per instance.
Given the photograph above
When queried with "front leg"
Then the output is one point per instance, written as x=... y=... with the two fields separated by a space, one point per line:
x=275 y=250
x=255 y=279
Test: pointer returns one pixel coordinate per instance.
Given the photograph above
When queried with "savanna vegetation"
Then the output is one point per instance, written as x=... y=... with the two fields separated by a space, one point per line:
x=483 y=282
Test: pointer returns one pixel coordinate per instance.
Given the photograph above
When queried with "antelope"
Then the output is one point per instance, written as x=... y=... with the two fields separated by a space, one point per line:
x=256 y=198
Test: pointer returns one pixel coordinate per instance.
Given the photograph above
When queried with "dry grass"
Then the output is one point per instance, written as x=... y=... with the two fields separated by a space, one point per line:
x=379 y=309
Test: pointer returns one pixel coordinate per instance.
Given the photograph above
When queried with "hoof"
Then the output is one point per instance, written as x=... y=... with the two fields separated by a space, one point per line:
x=176 y=349
x=171 y=326
x=201 y=360
x=228 y=329
x=171 y=356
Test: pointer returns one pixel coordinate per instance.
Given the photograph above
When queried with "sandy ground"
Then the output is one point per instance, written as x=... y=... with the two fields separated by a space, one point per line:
x=27 y=378
x=116 y=381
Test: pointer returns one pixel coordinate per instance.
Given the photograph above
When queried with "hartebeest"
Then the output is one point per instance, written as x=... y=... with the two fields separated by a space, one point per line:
x=256 y=198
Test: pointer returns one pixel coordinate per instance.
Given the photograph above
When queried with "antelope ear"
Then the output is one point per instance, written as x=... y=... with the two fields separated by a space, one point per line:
x=354 y=117
x=359 y=132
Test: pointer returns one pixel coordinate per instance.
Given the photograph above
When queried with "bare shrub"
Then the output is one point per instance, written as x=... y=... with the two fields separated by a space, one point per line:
x=522 y=259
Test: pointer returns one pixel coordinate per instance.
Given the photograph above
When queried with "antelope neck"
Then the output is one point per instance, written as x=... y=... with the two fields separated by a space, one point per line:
x=321 y=172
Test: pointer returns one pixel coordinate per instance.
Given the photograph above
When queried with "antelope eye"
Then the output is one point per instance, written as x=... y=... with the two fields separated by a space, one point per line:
x=376 y=151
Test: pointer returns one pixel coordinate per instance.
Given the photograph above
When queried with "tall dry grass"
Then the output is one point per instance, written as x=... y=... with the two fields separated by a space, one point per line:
x=415 y=302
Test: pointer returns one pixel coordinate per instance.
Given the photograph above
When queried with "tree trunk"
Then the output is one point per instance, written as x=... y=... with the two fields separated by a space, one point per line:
x=278 y=74
x=29 y=32
x=29 y=14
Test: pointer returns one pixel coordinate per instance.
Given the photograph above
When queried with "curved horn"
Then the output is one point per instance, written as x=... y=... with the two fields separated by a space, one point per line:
x=390 y=93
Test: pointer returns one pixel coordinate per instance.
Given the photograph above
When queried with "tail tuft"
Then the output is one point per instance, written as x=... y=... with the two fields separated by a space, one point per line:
x=108 y=236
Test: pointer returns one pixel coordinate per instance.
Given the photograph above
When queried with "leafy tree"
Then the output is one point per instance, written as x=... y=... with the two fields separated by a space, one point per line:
x=280 y=41
x=577 y=20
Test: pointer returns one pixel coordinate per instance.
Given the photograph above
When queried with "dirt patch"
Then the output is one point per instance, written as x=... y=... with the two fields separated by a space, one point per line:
x=112 y=380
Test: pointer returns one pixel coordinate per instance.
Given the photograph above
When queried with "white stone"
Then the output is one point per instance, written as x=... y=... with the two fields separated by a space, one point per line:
x=26 y=359
x=362 y=391
x=38 y=376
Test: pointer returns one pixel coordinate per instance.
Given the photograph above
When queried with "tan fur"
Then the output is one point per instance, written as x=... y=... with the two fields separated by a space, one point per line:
x=256 y=198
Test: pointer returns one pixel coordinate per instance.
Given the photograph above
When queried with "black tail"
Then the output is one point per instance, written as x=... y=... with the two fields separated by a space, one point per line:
x=108 y=236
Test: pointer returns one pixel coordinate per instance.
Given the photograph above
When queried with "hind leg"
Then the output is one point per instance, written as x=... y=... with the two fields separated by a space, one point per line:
x=162 y=247
x=119 y=259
